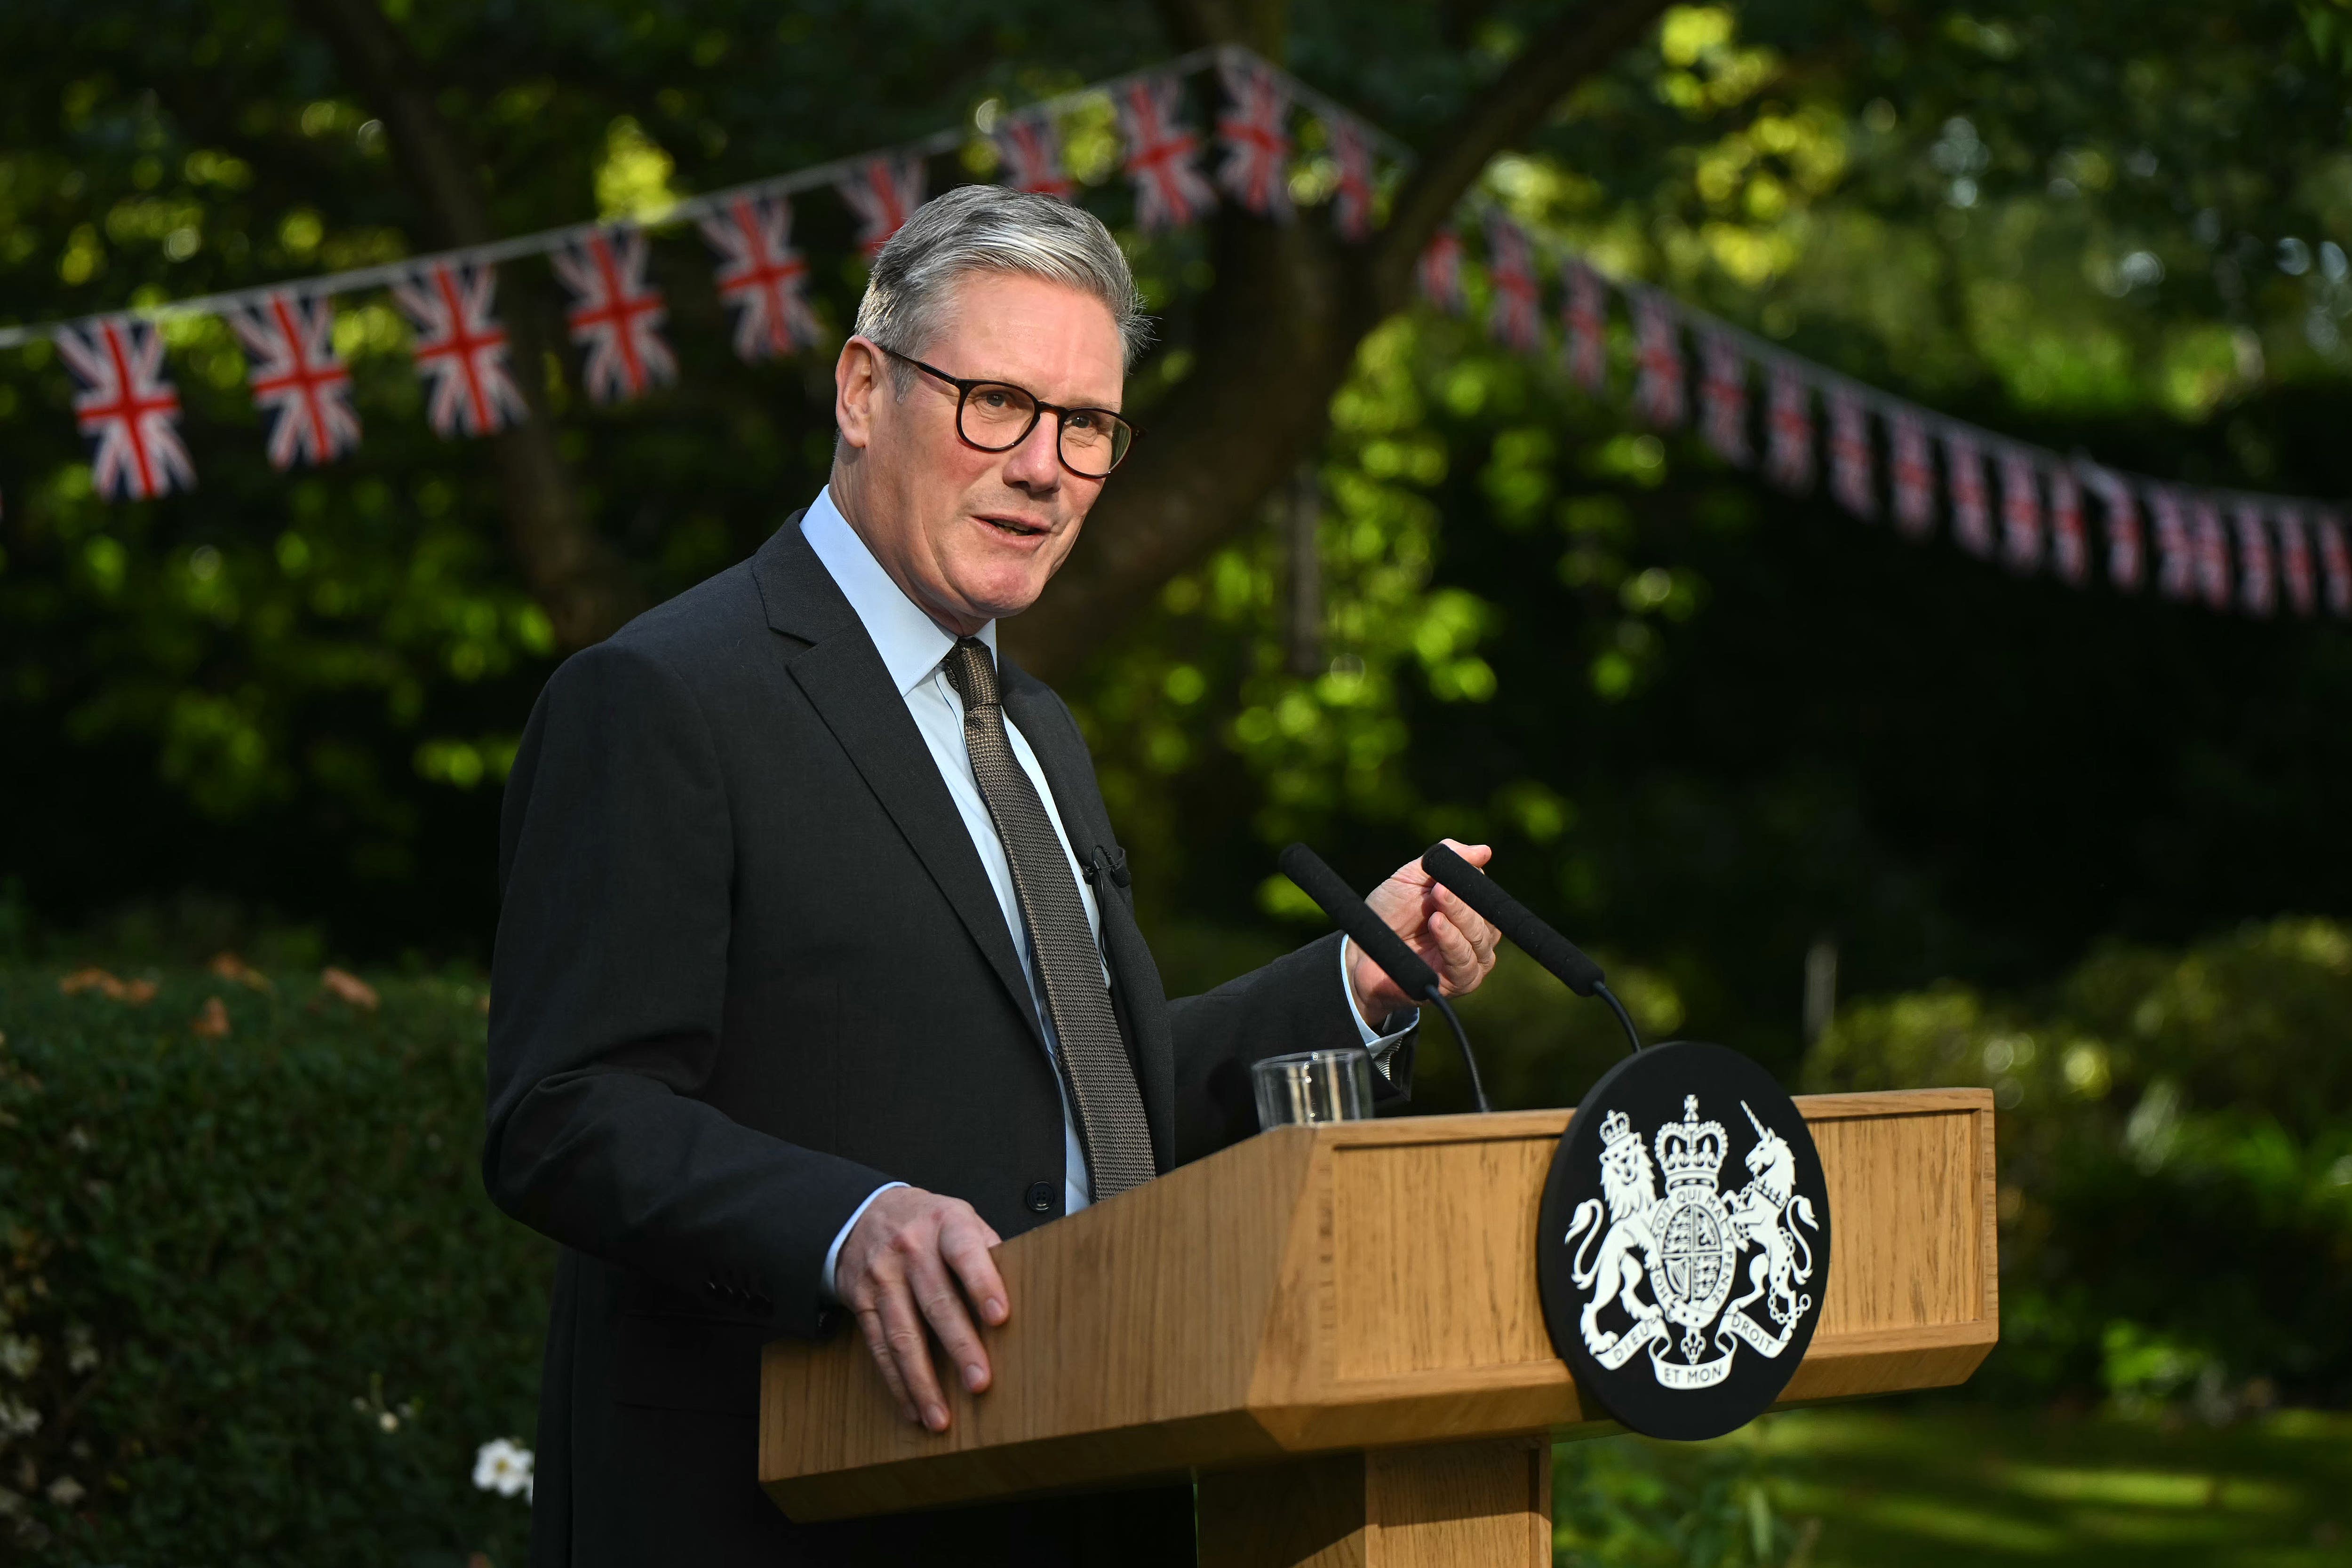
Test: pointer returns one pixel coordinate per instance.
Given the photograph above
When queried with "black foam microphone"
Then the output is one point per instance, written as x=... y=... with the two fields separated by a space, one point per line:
x=1527 y=929
x=1382 y=946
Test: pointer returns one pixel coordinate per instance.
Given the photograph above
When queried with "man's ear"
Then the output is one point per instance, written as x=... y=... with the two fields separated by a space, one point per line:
x=857 y=384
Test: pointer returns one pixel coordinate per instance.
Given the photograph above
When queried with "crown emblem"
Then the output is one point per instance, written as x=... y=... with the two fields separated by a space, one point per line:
x=1615 y=1128
x=1691 y=1151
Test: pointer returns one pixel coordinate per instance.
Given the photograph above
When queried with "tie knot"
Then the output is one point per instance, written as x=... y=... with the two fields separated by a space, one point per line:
x=973 y=672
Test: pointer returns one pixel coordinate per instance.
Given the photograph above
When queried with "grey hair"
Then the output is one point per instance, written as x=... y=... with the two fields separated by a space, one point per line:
x=988 y=228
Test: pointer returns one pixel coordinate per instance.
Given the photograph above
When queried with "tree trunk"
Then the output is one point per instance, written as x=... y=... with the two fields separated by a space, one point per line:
x=577 y=577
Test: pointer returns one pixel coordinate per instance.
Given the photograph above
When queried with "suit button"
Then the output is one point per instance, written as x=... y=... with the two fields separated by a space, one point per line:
x=1040 y=1198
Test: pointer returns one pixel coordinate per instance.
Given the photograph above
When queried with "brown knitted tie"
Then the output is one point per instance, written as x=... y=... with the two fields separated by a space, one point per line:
x=1092 y=1057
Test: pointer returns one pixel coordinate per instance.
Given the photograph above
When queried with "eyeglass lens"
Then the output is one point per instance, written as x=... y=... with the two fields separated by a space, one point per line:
x=996 y=416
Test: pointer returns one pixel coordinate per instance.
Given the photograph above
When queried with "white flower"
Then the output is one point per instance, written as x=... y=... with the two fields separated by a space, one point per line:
x=19 y=1357
x=65 y=1491
x=19 y=1419
x=503 y=1465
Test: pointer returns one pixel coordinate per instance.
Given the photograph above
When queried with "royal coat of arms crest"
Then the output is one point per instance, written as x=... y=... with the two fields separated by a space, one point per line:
x=1678 y=1288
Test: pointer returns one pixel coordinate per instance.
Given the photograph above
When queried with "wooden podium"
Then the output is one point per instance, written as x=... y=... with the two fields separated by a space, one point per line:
x=1336 y=1329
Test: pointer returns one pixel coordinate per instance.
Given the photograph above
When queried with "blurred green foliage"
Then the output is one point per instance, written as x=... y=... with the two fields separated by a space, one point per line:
x=254 y=1307
x=2175 y=1134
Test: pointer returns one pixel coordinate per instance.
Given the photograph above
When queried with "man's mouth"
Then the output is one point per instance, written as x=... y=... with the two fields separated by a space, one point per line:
x=1016 y=526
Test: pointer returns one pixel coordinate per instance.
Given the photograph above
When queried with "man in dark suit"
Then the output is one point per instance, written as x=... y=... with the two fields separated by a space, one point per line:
x=817 y=971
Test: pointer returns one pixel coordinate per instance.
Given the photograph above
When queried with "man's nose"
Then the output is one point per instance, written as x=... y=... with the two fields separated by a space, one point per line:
x=1036 y=463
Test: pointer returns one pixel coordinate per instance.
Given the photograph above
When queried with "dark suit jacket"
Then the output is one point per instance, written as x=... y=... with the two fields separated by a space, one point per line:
x=749 y=968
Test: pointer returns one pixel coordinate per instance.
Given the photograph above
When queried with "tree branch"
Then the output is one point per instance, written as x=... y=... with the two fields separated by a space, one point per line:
x=1503 y=114
x=573 y=573
x=1278 y=335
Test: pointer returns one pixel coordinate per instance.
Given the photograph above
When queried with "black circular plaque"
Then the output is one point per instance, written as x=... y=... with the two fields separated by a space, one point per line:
x=1684 y=1246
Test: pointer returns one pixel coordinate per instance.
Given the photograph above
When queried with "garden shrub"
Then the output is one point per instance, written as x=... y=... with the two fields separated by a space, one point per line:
x=254 y=1307
x=2175 y=1134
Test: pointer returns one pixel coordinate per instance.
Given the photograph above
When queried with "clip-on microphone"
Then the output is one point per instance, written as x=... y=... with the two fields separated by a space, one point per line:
x=1523 y=927
x=1381 y=945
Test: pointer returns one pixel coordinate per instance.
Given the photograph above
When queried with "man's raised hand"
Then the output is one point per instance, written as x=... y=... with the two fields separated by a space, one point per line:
x=916 y=1259
x=1451 y=937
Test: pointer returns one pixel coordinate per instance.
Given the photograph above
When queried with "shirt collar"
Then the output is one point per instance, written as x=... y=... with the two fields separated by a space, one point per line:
x=910 y=643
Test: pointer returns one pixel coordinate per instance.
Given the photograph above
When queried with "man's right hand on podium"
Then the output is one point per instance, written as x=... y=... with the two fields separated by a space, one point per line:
x=915 y=1257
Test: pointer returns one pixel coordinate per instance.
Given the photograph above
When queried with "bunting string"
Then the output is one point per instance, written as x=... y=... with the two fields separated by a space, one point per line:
x=2026 y=508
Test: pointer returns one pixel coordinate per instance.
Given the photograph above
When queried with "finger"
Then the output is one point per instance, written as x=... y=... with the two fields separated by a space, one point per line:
x=1477 y=854
x=1466 y=920
x=942 y=1302
x=1456 y=959
x=964 y=1243
x=877 y=1344
x=910 y=1352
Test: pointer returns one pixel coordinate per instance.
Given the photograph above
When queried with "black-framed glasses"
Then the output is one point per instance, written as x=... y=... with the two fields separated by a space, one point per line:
x=997 y=416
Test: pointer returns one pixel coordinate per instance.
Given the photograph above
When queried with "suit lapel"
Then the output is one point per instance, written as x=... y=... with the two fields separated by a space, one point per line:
x=846 y=681
x=1062 y=754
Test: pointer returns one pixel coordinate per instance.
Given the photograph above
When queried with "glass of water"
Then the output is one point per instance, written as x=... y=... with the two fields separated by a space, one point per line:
x=1313 y=1086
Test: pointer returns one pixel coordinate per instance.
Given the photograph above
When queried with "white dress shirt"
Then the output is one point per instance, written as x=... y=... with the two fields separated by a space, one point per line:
x=913 y=647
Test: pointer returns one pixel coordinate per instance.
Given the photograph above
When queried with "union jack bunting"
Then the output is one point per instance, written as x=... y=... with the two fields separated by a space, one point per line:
x=1030 y=145
x=1723 y=398
x=1915 y=475
x=2176 y=573
x=2210 y=544
x=1255 y=170
x=2257 y=587
x=1585 y=320
x=615 y=314
x=1971 y=516
x=2335 y=560
x=2020 y=511
x=303 y=389
x=2070 y=553
x=1515 y=317
x=1162 y=155
x=128 y=412
x=1789 y=417
x=1439 y=273
x=1658 y=385
x=2127 y=552
x=2295 y=558
x=1352 y=196
x=762 y=278
x=460 y=351
x=1850 y=476
x=884 y=192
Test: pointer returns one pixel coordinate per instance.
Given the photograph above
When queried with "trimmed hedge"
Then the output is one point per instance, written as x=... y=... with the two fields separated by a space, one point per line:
x=257 y=1310
x=2176 y=1164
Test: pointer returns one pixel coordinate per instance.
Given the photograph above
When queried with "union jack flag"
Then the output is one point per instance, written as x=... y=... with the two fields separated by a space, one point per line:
x=884 y=192
x=1658 y=387
x=460 y=351
x=127 y=411
x=1850 y=476
x=2210 y=542
x=2295 y=558
x=615 y=314
x=762 y=278
x=1723 y=398
x=2257 y=587
x=2175 y=571
x=1162 y=155
x=1971 y=518
x=1258 y=148
x=1031 y=148
x=2336 y=561
x=1915 y=475
x=1515 y=317
x=1789 y=415
x=2020 y=512
x=2070 y=553
x=1351 y=197
x=1439 y=273
x=302 y=388
x=1585 y=315
x=2127 y=552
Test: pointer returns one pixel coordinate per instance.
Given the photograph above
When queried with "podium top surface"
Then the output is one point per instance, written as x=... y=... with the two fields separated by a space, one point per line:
x=1355 y=1285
